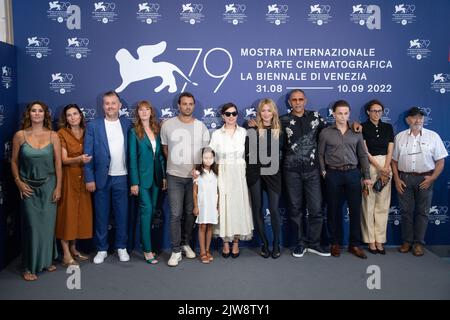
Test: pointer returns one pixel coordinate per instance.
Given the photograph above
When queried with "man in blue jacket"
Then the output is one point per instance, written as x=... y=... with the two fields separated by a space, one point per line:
x=106 y=175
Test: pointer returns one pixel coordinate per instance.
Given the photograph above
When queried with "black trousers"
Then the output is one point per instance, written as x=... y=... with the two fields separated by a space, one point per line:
x=258 y=216
x=340 y=186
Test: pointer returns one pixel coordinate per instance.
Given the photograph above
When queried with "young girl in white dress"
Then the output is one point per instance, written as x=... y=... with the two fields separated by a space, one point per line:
x=206 y=197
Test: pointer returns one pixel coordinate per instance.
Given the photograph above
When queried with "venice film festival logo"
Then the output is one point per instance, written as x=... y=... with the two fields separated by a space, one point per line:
x=38 y=47
x=427 y=115
x=57 y=10
x=77 y=47
x=211 y=118
x=419 y=49
x=168 y=112
x=395 y=216
x=330 y=118
x=7 y=77
x=192 y=13
x=61 y=11
x=277 y=14
x=148 y=12
x=235 y=13
x=89 y=113
x=369 y=15
x=8 y=151
x=404 y=13
x=319 y=14
x=124 y=112
x=104 y=12
x=250 y=114
x=441 y=82
x=61 y=83
x=132 y=70
x=438 y=215
x=385 y=116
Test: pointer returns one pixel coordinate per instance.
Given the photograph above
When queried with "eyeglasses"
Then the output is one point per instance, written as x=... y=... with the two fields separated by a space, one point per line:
x=229 y=114
x=413 y=150
x=376 y=111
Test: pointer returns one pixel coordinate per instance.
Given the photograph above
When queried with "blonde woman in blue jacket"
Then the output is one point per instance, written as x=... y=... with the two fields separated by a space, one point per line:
x=147 y=169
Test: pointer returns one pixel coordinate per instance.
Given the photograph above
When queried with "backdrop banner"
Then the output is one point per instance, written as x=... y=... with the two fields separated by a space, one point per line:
x=222 y=51
x=9 y=214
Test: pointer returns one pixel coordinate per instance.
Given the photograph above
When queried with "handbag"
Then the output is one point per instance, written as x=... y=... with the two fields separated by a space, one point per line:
x=378 y=185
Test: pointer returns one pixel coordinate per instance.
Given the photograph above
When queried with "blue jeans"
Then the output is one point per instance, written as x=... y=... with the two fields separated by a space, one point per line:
x=340 y=186
x=308 y=183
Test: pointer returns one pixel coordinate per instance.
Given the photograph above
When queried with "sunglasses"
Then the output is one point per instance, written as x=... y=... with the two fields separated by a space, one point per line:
x=229 y=114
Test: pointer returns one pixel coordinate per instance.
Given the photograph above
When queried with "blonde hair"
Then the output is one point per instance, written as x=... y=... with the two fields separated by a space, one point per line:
x=275 y=124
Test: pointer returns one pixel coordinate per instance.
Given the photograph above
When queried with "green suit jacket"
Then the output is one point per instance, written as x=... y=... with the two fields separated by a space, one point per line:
x=146 y=167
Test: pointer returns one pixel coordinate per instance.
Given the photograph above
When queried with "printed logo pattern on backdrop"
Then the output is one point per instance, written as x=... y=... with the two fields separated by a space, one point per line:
x=241 y=52
x=8 y=122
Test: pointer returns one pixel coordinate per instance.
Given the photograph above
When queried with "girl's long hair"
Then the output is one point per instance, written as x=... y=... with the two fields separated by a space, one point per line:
x=214 y=166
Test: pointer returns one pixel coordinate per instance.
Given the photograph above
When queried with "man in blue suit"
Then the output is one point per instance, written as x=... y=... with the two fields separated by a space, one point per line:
x=106 y=175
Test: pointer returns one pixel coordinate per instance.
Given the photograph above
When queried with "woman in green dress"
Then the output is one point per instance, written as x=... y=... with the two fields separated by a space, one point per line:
x=36 y=167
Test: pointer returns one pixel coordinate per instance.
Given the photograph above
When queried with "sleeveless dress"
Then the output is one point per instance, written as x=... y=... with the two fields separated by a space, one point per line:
x=37 y=169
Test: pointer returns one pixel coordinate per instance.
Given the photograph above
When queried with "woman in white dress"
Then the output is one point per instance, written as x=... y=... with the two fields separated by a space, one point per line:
x=235 y=215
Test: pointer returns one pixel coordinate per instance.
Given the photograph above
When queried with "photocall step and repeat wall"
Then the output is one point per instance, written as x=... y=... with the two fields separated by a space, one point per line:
x=242 y=51
x=9 y=219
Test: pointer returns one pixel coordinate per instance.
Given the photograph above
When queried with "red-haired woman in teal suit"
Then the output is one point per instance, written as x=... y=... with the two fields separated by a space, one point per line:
x=147 y=169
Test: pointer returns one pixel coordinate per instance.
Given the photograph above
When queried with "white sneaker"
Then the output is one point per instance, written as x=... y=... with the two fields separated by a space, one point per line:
x=188 y=252
x=100 y=257
x=174 y=259
x=123 y=255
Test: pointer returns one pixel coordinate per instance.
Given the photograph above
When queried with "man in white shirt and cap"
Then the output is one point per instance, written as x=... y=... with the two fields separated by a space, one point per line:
x=417 y=161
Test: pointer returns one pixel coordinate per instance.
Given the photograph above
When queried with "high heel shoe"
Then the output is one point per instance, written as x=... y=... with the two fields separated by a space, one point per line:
x=265 y=253
x=152 y=261
x=372 y=251
x=235 y=255
x=276 y=252
x=226 y=254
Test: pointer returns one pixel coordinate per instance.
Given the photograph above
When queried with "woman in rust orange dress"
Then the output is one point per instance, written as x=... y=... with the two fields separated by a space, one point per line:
x=74 y=219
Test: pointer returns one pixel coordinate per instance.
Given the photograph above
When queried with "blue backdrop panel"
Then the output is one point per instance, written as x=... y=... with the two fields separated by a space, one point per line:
x=227 y=51
x=8 y=107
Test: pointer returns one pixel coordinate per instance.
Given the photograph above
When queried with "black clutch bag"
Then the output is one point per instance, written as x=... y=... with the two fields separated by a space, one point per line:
x=378 y=185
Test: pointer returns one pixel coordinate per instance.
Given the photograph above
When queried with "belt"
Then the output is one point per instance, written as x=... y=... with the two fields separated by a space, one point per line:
x=428 y=173
x=343 y=168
